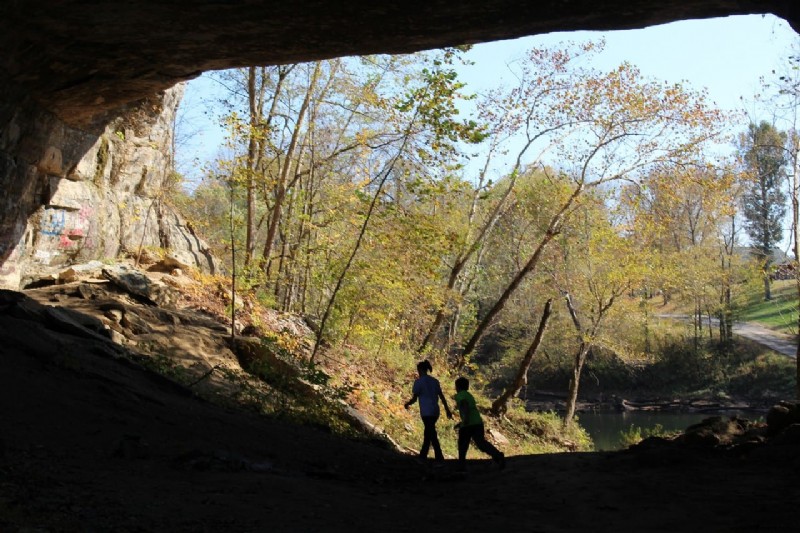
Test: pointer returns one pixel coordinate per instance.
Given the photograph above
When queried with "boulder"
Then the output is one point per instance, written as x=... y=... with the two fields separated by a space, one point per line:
x=175 y=259
x=715 y=431
x=134 y=323
x=782 y=416
x=139 y=284
x=59 y=319
x=790 y=436
x=498 y=437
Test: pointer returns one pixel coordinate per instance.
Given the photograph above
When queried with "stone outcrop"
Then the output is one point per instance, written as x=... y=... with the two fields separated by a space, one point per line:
x=86 y=95
x=780 y=433
x=73 y=196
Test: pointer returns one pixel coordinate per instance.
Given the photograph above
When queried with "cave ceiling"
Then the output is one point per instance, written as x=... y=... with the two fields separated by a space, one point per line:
x=83 y=59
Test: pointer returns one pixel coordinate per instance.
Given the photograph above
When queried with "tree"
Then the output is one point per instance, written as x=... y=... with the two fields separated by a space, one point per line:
x=604 y=128
x=599 y=263
x=500 y=405
x=786 y=102
x=429 y=113
x=687 y=217
x=764 y=201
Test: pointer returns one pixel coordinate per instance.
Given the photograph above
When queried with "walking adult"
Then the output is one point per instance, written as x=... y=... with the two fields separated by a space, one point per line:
x=428 y=391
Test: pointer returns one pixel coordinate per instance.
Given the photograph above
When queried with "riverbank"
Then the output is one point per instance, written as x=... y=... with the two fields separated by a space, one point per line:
x=553 y=401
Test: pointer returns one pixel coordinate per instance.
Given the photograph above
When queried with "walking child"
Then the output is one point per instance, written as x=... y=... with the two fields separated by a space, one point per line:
x=471 y=427
x=428 y=390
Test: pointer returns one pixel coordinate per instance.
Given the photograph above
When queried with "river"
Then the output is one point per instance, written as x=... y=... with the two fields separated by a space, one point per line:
x=605 y=427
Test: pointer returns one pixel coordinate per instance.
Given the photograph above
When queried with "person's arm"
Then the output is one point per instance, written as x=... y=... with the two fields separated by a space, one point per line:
x=463 y=410
x=410 y=402
x=446 y=407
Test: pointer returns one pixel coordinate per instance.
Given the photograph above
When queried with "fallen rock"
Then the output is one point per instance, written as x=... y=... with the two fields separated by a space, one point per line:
x=114 y=314
x=89 y=291
x=177 y=280
x=174 y=260
x=81 y=271
x=782 y=416
x=67 y=276
x=139 y=284
x=135 y=324
x=715 y=431
x=117 y=337
x=790 y=436
x=498 y=437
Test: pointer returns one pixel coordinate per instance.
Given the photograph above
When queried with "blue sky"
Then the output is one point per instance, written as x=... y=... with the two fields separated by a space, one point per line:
x=727 y=56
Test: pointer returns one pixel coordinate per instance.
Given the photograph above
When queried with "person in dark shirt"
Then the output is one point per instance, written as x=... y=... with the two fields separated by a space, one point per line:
x=471 y=427
x=428 y=391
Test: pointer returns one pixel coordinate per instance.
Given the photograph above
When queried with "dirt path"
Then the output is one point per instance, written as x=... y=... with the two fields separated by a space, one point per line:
x=780 y=342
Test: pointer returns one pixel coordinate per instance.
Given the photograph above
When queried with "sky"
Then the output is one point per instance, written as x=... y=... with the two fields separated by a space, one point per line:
x=727 y=56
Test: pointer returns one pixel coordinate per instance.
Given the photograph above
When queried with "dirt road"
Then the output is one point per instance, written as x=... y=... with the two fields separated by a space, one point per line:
x=780 y=342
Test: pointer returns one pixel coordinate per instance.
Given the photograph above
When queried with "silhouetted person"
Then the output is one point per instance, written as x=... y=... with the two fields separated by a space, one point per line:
x=471 y=427
x=428 y=391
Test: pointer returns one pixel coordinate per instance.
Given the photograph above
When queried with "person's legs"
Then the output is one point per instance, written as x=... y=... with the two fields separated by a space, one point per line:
x=464 y=436
x=430 y=438
x=487 y=447
x=437 y=449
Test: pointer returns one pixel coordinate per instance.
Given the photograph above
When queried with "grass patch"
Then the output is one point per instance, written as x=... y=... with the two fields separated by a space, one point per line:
x=635 y=434
x=780 y=313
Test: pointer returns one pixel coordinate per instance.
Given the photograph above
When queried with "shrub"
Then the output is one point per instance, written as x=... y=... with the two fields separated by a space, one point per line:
x=635 y=434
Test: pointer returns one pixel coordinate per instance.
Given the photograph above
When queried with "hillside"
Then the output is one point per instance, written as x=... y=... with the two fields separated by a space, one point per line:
x=95 y=439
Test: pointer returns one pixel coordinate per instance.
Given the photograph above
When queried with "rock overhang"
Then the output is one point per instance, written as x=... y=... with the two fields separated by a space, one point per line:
x=85 y=60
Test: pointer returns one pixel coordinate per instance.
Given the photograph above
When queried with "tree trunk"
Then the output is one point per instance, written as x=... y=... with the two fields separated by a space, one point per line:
x=233 y=269
x=500 y=405
x=510 y=289
x=464 y=257
x=574 y=382
x=795 y=198
x=767 y=285
x=360 y=238
x=252 y=149
x=553 y=228
x=280 y=191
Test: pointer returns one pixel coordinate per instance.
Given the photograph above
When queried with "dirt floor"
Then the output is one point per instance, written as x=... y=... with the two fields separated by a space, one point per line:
x=92 y=442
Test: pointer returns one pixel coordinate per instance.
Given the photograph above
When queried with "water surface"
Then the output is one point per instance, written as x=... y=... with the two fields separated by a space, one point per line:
x=605 y=427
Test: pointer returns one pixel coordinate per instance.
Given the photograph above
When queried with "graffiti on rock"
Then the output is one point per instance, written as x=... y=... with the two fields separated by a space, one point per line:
x=53 y=222
x=69 y=229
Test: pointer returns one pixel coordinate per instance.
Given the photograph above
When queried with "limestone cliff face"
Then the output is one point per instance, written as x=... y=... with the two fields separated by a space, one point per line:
x=92 y=196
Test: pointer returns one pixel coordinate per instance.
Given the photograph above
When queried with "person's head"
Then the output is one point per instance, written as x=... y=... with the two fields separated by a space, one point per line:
x=462 y=383
x=423 y=367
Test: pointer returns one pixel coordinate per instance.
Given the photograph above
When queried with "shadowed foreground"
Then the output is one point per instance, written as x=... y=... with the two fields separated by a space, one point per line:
x=93 y=443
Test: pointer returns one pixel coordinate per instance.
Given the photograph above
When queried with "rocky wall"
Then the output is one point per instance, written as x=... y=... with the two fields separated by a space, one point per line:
x=71 y=195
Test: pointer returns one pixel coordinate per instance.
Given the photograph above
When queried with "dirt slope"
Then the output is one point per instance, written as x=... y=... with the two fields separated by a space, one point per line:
x=90 y=441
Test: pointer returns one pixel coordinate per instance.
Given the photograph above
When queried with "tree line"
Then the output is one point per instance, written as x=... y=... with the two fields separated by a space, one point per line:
x=400 y=213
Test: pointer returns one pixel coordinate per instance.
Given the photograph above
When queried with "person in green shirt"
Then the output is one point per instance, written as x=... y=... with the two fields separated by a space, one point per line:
x=471 y=427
